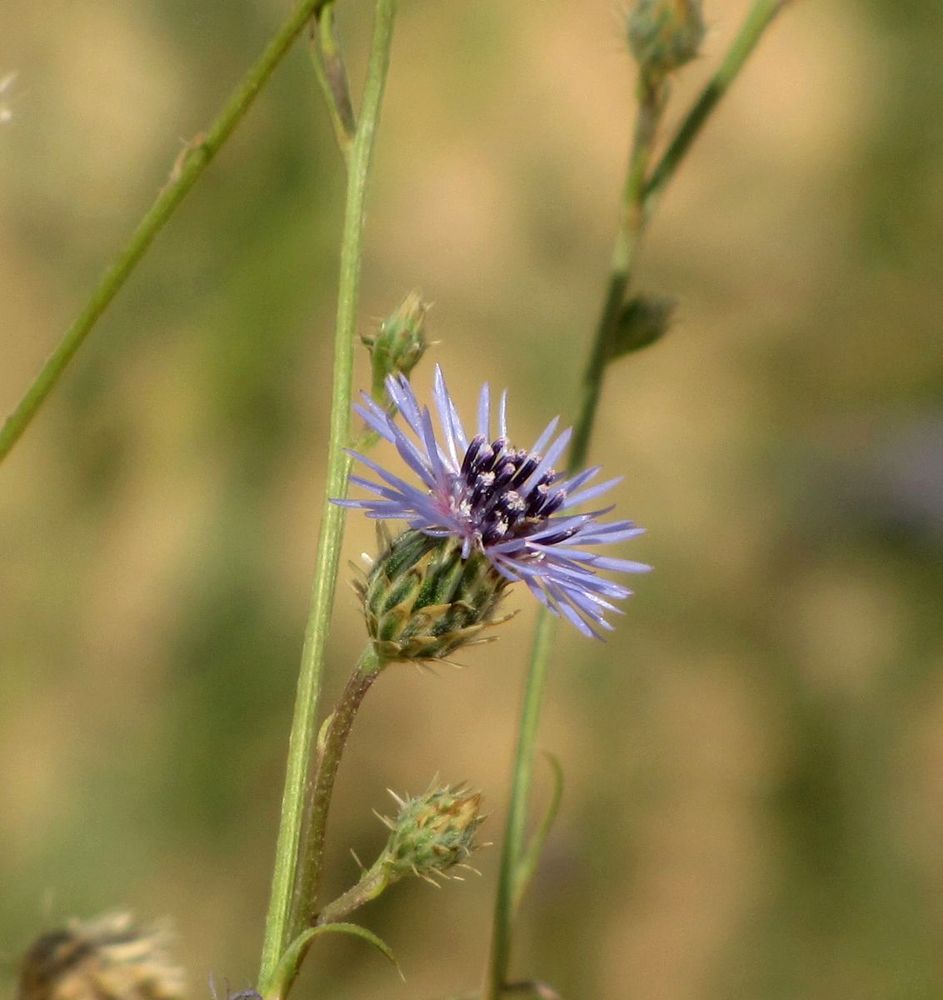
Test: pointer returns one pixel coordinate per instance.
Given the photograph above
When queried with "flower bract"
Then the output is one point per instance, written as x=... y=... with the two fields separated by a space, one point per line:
x=509 y=503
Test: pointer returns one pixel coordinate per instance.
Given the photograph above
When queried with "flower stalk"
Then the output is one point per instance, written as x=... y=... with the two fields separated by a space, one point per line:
x=328 y=753
x=641 y=192
x=372 y=883
x=432 y=833
x=633 y=217
x=757 y=21
x=289 y=847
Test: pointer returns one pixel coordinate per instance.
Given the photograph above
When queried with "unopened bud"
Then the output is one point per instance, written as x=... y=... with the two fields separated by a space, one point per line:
x=432 y=832
x=665 y=34
x=644 y=319
x=421 y=600
x=395 y=349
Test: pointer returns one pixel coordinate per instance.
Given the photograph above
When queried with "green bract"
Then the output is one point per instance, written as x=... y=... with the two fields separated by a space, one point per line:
x=422 y=600
x=432 y=832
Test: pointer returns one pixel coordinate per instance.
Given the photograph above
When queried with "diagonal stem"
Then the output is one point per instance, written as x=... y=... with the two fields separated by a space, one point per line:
x=328 y=63
x=186 y=172
x=633 y=218
x=757 y=21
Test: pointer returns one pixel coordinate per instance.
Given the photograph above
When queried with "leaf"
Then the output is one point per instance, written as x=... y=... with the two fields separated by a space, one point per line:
x=643 y=320
x=530 y=859
x=294 y=954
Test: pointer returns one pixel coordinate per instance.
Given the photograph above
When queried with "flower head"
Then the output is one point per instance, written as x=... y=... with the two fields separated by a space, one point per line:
x=508 y=503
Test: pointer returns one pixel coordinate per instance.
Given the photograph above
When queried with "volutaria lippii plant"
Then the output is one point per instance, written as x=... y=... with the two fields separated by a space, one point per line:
x=464 y=515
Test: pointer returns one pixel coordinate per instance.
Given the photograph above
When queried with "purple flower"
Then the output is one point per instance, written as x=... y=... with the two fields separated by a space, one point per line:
x=508 y=503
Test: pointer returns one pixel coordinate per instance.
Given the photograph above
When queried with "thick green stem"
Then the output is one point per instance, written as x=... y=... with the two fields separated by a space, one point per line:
x=638 y=202
x=318 y=801
x=304 y=722
x=187 y=170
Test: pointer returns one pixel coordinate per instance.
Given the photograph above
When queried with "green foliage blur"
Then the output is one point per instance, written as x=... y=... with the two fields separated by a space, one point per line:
x=754 y=761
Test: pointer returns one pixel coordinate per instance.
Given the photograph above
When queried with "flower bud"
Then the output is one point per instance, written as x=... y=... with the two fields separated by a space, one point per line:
x=432 y=832
x=111 y=956
x=398 y=345
x=421 y=600
x=665 y=34
x=644 y=320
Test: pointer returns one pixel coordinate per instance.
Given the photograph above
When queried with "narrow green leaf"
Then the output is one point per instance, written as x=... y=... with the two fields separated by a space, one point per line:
x=530 y=859
x=288 y=965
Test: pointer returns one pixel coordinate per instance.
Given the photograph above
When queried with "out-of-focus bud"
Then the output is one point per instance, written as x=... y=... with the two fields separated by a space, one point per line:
x=665 y=34
x=644 y=319
x=422 y=601
x=398 y=345
x=111 y=956
x=432 y=832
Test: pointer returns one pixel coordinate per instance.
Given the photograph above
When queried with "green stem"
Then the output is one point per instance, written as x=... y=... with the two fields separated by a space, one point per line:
x=632 y=220
x=372 y=883
x=638 y=203
x=318 y=801
x=331 y=72
x=522 y=779
x=187 y=170
x=332 y=524
x=757 y=21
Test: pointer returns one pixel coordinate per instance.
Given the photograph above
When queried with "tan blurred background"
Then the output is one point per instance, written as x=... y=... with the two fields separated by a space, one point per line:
x=755 y=760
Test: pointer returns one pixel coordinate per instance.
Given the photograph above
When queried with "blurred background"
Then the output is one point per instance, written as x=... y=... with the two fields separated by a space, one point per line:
x=754 y=761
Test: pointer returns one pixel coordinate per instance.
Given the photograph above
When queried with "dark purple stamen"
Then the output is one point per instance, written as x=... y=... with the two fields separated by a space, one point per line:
x=491 y=481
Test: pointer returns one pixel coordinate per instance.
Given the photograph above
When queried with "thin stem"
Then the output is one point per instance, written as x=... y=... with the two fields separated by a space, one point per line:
x=318 y=804
x=186 y=171
x=332 y=524
x=638 y=203
x=757 y=21
x=371 y=884
x=331 y=72
x=513 y=845
x=632 y=220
